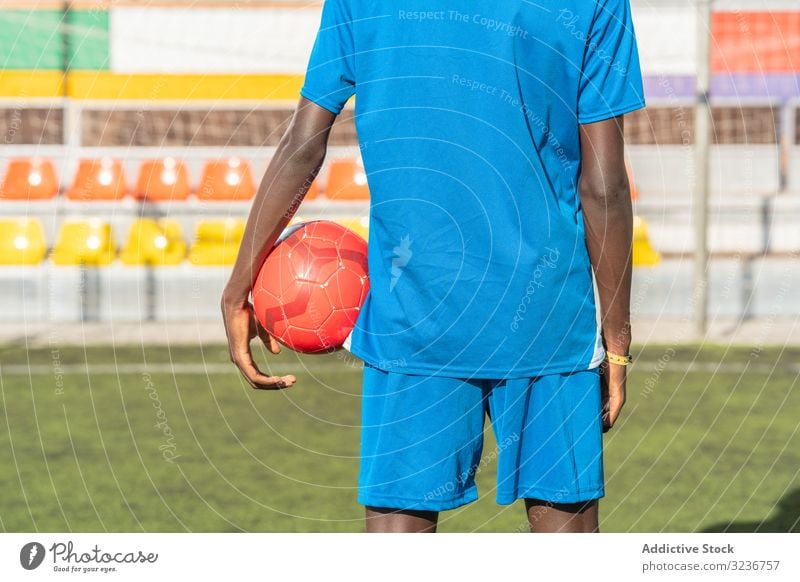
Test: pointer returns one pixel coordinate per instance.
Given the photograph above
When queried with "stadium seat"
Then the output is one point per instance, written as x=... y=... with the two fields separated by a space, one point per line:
x=631 y=182
x=216 y=242
x=346 y=180
x=154 y=242
x=644 y=255
x=100 y=179
x=230 y=179
x=313 y=191
x=360 y=226
x=163 y=180
x=29 y=179
x=21 y=241
x=84 y=242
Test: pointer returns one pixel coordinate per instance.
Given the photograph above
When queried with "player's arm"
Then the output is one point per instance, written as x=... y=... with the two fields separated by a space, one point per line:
x=608 y=219
x=296 y=163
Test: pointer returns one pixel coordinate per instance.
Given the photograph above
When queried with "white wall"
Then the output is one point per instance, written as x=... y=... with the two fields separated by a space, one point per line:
x=279 y=39
x=212 y=40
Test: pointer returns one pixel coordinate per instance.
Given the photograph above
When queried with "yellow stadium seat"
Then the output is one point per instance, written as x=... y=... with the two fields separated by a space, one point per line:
x=360 y=226
x=29 y=179
x=154 y=242
x=21 y=241
x=644 y=255
x=84 y=242
x=216 y=242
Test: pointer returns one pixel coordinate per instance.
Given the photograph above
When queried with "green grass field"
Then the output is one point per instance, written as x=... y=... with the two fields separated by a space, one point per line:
x=170 y=439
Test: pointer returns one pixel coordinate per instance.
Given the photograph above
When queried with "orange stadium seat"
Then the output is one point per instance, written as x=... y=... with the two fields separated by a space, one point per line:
x=230 y=179
x=163 y=180
x=346 y=180
x=313 y=191
x=631 y=182
x=21 y=241
x=100 y=179
x=755 y=41
x=29 y=179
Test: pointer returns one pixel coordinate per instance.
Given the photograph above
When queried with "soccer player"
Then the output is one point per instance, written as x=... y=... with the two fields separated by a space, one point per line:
x=492 y=138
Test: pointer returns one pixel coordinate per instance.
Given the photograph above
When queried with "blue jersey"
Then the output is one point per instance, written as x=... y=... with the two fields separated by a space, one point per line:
x=468 y=118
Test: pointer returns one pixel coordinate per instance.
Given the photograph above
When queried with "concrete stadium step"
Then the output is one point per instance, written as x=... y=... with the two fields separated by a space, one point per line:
x=739 y=289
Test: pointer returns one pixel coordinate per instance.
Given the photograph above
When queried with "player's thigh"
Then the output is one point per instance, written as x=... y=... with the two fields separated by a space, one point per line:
x=421 y=440
x=549 y=435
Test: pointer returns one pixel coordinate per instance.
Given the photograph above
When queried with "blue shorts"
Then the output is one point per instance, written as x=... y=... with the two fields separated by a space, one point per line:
x=422 y=439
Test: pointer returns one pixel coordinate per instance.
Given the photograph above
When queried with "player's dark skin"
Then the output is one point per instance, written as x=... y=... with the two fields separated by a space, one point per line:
x=608 y=219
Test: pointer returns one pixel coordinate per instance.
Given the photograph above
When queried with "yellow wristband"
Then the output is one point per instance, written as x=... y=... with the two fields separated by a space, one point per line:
x=625 y=360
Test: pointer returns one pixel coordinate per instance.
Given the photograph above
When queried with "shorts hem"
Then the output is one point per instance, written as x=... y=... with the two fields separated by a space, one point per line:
x=553 y=495
x=404 y=503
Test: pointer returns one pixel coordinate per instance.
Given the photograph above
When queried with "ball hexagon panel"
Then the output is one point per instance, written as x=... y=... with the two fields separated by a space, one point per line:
x=318 y=261
x=345 y=288
x=277 y=274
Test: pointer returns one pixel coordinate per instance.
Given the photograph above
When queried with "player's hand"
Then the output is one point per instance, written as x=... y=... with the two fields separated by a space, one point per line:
x=612 y=385
x=241 y=326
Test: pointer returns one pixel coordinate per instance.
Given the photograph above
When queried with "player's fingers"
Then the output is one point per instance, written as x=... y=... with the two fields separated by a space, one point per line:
x=615 y=404
x=605 y=404
x=256 y=378
x=270 y=342
x=261 y=381
x=606 y=422
x=255 y=327
x=613 y=414
x=274 y=346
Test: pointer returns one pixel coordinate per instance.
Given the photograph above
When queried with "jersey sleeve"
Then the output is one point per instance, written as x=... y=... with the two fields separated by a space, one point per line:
x=330 y=79
x=611 y=80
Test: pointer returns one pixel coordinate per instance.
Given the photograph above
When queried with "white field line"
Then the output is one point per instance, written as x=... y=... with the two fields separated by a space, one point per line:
x=286 y=368
x=183 y=368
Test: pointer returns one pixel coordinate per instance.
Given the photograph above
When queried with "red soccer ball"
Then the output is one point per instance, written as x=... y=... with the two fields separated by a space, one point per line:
x=311 y=287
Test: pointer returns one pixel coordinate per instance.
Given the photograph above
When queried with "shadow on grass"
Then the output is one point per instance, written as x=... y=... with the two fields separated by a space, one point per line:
x=785 y=518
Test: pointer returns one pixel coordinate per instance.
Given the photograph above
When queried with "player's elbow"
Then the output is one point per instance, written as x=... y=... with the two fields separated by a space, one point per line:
x=303 y=150
x=303 y=146
x=605 y=193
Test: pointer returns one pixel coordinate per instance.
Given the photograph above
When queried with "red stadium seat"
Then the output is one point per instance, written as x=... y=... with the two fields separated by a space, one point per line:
x=163 y=180
x=230 y=179
x=346 y=180
x=100 y=179
x=29 y=179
